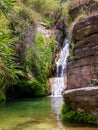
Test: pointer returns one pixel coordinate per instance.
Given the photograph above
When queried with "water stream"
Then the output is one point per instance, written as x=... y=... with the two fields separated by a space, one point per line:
x=59 y=81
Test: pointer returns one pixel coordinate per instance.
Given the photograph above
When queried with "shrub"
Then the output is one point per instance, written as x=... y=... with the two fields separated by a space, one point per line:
x=8 y=65
x=38 y=58
x=96 y=0
x=25 y=88
x=2 y=96
x=24 y=62
x=23 y=26
x=75 y=3
x=6 y=6
x=69 y=114
x=44 y=7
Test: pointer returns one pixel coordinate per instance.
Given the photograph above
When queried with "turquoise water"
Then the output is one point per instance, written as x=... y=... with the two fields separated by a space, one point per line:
x=34 y=114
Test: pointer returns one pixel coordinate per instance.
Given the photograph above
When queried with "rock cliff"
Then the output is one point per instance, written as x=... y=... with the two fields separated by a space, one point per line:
x=82 y=71
x=87 y=6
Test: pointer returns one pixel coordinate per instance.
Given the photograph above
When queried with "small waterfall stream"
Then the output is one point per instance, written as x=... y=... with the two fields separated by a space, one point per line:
x=59 y=81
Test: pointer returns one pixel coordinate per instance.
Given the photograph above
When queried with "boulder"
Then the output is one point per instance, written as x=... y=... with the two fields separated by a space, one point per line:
x=83 y=99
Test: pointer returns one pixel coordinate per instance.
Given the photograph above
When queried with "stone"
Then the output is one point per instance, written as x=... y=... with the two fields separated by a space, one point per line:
x=83 y=99
x=85 y=28
x=72 y=80
x=80 y=76
x=90 y=42
x=86 y=61
x=82 y=72
x=82 y=53
x=87 y=75
x=89 y=6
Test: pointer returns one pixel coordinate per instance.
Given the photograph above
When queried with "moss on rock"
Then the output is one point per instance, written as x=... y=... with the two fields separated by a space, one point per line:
x=69 y=114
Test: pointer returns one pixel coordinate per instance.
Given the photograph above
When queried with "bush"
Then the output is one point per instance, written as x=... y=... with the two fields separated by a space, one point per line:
x=22 y=58
x=75 y=3
x=69 y=114
x=44 y=7
x=26 y=88
x=38 y=58
x=21 y=21
x=23 y=25
x=2 y=96
x=8 y=65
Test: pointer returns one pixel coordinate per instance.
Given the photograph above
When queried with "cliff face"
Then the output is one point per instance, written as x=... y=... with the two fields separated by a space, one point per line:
x=82 y=72
x=89 y=6
x=83 y=69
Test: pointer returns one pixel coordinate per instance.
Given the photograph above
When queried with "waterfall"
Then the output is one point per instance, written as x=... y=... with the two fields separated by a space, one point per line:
x=59 y=81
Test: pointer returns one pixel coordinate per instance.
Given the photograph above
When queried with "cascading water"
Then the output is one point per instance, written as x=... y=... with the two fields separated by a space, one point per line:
x=59 y=81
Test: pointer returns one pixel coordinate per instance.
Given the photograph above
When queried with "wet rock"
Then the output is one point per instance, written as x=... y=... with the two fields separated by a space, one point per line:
x=57 y=81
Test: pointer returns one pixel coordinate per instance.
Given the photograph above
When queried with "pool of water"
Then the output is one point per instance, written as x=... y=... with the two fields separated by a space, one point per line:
x=35 y=114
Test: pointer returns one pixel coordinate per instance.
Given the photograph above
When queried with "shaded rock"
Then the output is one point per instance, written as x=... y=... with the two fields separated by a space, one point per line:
x=89 y=6
x=90 y=41
x=86 y=61
x=82 y=71
x=85 y=28
x=83 y=99
x=72 y=80
x=84 y=66
x=80 y=76
x=84 y=53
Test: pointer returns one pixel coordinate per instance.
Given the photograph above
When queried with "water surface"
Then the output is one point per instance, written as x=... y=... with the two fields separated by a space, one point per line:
x=34 y=114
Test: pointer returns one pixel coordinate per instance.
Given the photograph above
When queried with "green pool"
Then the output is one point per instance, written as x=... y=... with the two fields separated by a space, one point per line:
x=34 y=114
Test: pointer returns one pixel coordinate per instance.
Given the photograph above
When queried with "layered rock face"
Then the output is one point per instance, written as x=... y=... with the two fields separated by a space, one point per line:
x=86 y=6
x=83 y=69
x=82 y=72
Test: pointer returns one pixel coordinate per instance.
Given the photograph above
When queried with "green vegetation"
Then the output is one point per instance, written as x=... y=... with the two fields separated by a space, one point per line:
x=69 y=114
x=25 y=58
x=96 y=0
x=2 y=96
x=26 y=55
x=8 y=71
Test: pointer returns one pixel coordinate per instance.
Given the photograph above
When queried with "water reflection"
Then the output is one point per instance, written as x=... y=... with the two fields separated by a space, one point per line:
x=35 y=114
x=56 y=103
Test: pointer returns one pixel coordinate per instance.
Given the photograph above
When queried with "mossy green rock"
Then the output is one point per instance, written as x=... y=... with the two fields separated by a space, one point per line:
x=69 y=114
x=2 y=96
